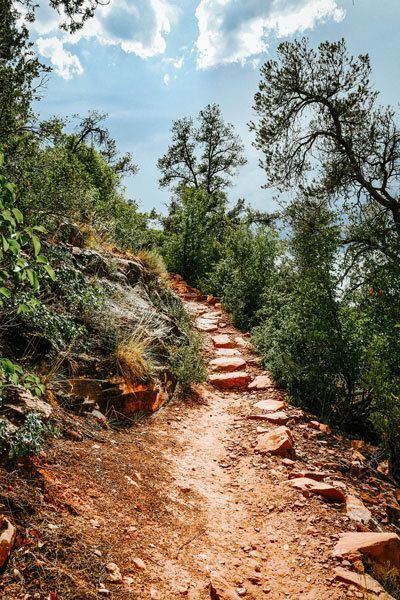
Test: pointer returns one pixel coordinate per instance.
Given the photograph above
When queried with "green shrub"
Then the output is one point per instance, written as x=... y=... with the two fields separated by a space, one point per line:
x=28 y=439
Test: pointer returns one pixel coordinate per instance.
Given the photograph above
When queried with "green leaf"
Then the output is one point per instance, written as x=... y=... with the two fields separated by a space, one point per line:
x=50 y=272
x=36 y=244
x=18 y=215
x=42 y=259
x=5 y=292
x=23 y=308
x=39 y=228
x=5 y=243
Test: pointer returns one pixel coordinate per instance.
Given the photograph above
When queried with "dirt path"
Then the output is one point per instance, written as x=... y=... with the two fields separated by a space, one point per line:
x=184 y=498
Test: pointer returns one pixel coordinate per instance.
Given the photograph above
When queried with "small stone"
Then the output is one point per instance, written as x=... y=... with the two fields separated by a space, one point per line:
x=139 y=564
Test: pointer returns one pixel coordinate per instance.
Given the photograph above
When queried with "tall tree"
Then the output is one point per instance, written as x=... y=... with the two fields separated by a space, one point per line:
x=204 y=156
x=319 y=120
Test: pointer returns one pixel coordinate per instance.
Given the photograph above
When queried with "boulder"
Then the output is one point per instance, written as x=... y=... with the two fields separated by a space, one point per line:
x=382 y=548
x=220 y=589
x=7 y=539
x=236 y=379
x=261 y=382
x=270 y=405
x=222 y=341
x=357 y=511
x=279 y=442
x=233 y=363
x=364 y=582
x=310 y=486
x=113 y=573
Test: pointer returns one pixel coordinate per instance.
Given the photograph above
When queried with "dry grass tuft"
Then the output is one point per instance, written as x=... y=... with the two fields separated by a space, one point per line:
x=153 y=263
x=132 y=361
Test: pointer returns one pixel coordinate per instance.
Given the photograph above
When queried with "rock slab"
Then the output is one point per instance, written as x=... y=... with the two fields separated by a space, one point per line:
x=382 y=548
x=279 y=442
x=237 y=379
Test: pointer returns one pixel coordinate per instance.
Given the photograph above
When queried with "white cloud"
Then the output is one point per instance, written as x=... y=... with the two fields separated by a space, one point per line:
x=236 y=30
x=167 y=79
x=139 y=27
x=65 y=64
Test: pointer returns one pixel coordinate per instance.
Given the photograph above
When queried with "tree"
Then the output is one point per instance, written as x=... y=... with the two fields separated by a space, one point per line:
x=319 y=122
x=206 y=156
x=191 y=245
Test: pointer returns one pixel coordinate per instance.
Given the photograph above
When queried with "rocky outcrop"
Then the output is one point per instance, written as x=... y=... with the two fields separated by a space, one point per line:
x=383 y=549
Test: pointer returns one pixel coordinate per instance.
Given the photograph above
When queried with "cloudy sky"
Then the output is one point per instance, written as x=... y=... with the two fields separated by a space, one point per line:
x=148 y=62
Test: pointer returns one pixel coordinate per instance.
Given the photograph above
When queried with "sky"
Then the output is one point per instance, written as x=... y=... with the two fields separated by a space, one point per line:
x=148 y=62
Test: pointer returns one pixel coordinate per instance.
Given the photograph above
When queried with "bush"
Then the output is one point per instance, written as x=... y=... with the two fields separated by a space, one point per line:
x=187 y=363
x=28 y=439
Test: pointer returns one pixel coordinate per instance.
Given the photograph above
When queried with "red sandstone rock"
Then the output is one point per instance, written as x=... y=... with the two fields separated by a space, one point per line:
x=364 y=582
x=315 y=475
x=270 y=405
x=279 y=442
x=261 y=382
x=382 y=548
x=7 y=538
x=277 y=418
x=206 y=325
x=237 y=379
x=222 y=341
x=357 y=511
x=220 y=589
x=326 y=490
x=233 y=363
x=228 y=352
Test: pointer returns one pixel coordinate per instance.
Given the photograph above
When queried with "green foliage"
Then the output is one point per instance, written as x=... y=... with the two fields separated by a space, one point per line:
x=20 y=256
x=191 y=245
x=244 y=271
x=28 y=439
x=186 y=361
x=15 y=374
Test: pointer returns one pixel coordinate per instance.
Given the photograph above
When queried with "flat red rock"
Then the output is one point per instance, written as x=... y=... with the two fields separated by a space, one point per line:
x=270 y=405
x=277 y=418
x=233 y=363
x=364 y=581
x=207 y=326
x=237 y=379
x=222 y=341
x=383 y=548
x=279 y=442
x=357 y=511
x=316 y=475
x=261 y=382
x=228 y=352
x=305 y=484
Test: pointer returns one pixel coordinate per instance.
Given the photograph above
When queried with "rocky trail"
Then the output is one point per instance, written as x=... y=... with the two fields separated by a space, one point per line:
x=231 y=494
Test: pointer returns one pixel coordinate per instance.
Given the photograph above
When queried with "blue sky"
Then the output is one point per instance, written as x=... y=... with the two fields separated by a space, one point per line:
x=148 y=62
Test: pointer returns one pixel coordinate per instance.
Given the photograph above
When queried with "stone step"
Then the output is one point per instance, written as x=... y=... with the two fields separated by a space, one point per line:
x=236 y=379
x=261 y=382
x=223 y=341
x=227 y=364
x=270 y=405
x=227 y=352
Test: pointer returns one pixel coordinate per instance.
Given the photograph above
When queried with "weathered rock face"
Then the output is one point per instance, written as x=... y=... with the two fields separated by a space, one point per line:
x=236 y=379
x=123 y=399
x=228 y=364
x=310 y=486
x=382 y=548
x=223 y=341
x=7 y=538
x=19 y=402
x=279 y=442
